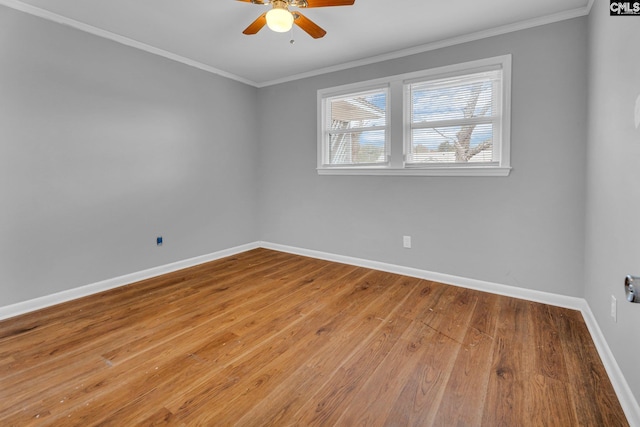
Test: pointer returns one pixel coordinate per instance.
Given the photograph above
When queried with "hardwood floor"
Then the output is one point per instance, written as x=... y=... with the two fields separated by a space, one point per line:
x=267 y=338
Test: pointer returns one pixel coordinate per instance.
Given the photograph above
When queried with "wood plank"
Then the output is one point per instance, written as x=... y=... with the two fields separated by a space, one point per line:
x=464 y=396
x=210 y=342
x=431 y=340
x=506 y=402
x=589 y=385
x=550 y=361
x=108 y=378
x=269 y=338
x=550 y=399
x=291 y=395
x=204 y=357
x=311 y=334
x=438 y=371
x=354 y=323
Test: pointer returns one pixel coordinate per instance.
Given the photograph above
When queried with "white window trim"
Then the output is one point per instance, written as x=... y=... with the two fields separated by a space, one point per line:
x=397 y=124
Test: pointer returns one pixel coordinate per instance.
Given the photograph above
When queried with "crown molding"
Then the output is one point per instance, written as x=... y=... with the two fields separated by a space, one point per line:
x=522 y=25
x=497 y=31
x=59 y=19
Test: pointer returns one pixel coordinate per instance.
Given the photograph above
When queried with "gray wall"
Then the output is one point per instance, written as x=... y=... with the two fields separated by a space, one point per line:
x=613 y=202
x=525 y=230
x=104 y=147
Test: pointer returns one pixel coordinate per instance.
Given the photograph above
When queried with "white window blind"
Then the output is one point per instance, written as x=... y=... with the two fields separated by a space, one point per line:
x=356 y=130
x=455 y=120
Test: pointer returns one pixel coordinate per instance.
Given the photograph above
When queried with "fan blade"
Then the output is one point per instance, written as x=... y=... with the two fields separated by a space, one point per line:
x=256 y=25
x=253 y=1
x=308 y=25
x=329 y=3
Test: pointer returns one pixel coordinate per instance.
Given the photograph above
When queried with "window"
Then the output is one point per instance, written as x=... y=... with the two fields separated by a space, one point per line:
x=356 y=129
x=451 y=120
x=454 y=120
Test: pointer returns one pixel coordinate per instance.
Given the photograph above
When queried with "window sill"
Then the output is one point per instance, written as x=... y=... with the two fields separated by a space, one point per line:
x=449 y=171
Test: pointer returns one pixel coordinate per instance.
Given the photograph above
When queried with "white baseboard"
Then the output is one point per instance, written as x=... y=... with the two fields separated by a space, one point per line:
x=625 y=396
x=104 y=285
x=480 y=285
x=627 y=400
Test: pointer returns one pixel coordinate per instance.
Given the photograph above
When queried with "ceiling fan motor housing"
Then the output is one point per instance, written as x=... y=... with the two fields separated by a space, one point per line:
x=280 y=4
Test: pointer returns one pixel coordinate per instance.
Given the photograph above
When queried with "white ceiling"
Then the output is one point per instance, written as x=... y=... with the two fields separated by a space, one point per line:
x=208 y=33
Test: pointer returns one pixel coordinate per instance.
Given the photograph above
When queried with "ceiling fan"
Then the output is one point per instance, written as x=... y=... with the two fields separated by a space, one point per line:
x=281 y=19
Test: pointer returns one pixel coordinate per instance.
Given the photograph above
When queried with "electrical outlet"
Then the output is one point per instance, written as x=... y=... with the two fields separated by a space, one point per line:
x=159 y=240
x=406 y=242
x=614 y=308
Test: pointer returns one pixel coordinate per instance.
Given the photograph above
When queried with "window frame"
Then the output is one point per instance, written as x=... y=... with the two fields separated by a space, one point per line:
x=398 y=134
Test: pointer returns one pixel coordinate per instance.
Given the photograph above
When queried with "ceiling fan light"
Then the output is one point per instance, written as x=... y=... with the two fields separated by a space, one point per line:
x=279 y=20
